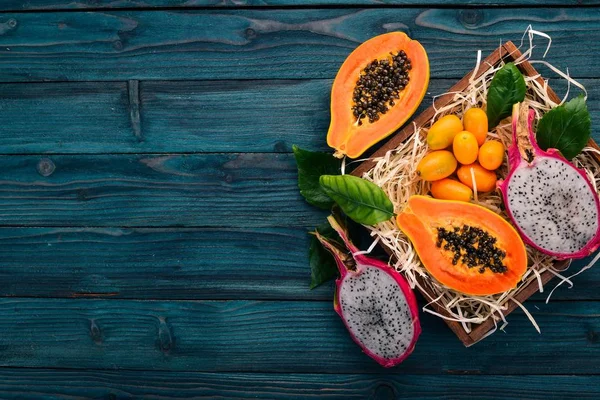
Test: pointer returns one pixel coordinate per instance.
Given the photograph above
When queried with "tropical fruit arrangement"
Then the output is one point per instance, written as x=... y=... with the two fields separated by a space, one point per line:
x=477 y=164
x=472 y=206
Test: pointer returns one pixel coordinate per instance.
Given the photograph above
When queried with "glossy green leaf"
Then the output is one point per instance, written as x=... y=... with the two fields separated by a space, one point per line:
x=566 y=128
x=507 y=88
x=311 y=165
x=361 y=200
x=322 y=264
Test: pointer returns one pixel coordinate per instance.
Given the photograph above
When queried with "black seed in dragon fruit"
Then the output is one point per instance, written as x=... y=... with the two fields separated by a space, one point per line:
x=552 y=203
x=375 y=302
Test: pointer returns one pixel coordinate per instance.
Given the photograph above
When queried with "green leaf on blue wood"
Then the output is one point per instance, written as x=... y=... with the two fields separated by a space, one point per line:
x=363 y=201
x=311 y=165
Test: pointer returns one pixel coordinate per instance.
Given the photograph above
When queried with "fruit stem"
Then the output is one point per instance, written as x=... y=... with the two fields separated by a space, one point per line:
x=337 y=224
x=343 y=258
x=522 y=120
x=338 y=154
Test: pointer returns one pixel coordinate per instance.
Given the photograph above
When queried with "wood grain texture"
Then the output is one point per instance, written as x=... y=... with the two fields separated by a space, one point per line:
x=147 y=224
x=84 y=117
x=211 y=190
x=280 y=336
x=61 y=384
x=268 y=44
x=254 y=115
x=203 y=263
x=192 y=263
x=46 y=5
x=182 y=117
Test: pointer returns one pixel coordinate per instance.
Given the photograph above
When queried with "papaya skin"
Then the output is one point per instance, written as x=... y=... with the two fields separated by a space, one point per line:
x=345 y=135
x=419 y=222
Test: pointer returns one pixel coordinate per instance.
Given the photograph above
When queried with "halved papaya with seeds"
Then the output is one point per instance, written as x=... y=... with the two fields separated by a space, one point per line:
x=464 y=246
x=378 y=88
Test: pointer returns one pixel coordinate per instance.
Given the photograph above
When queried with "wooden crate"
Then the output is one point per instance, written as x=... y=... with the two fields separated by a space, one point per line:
x=507 y=52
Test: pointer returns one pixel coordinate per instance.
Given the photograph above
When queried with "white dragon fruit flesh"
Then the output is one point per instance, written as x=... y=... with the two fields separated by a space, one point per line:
x=375 y=302
x=551 y=202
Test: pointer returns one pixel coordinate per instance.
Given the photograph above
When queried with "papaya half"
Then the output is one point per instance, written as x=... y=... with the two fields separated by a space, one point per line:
x=464 y=246
x=378 y=88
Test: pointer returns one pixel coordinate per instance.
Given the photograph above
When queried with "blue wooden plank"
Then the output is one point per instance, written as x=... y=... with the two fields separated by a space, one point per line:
x=181 y=117
x=262 y=263
x=280 y=336
x=189 y=263
x=268 y=115
x=61 y=384
x=46 y=5
x=268 y=44
x=211 y=190
x=86 y=117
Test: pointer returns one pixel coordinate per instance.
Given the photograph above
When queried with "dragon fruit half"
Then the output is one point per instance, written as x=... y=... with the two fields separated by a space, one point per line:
x=552 y=203
x=375 y=302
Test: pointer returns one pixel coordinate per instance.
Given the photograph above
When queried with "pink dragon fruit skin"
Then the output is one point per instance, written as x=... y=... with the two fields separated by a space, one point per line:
x=525 y=154
x=356 y=269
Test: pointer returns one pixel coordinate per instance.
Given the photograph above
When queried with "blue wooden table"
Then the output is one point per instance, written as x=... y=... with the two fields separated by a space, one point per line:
x=152 y=238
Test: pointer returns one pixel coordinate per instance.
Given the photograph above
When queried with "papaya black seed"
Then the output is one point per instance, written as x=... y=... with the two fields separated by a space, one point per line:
x=472 y=246
x=379 y=83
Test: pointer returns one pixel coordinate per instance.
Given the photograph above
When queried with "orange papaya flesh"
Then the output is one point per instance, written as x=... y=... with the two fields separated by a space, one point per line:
x=352 y=137
x=491 y=255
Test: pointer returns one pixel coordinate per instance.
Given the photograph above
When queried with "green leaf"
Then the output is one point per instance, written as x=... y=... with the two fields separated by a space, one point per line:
x=507 y=88
x=361 y=200
x=566 y=128
x=322 y=264
x=311 y=165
